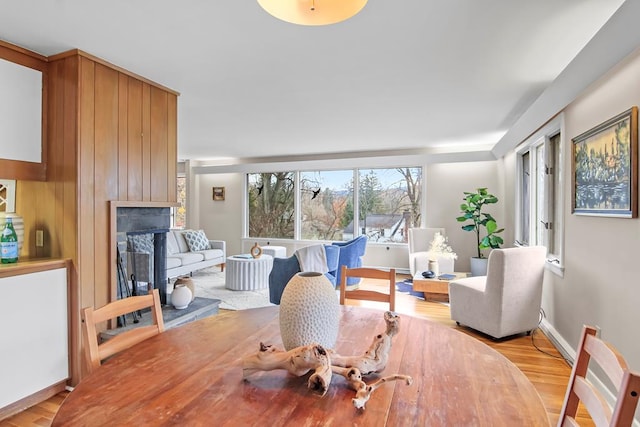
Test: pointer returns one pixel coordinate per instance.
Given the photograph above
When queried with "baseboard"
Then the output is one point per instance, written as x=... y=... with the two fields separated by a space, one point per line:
x=32 y=400
x=568 y=352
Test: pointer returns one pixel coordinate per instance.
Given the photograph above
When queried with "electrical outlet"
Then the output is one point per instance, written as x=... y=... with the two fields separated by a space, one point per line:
x=39 y=238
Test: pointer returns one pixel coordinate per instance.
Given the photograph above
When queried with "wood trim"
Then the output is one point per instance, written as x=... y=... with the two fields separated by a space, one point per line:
x=28 y=171
x=32 y=399
x=22 y=56
x=31 y=266
x=97 y=60
x=17 y=169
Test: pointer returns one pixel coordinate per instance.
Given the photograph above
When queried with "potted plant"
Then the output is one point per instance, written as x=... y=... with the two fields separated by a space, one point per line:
x=472 y=211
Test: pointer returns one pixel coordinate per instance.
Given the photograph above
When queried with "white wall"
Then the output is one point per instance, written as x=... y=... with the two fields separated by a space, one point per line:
x=221 y=220
x=446 y=184
x=600 y=283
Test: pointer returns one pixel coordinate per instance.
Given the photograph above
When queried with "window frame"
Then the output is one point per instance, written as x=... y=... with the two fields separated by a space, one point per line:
x=553 y=189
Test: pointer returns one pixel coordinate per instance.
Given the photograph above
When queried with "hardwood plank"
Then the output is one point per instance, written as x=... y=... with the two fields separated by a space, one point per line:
x=87 y=178
x=146 y=142
x=134 y=141
x=159 y=141
x=172 y=148
x=106 y=173
x=123 y=124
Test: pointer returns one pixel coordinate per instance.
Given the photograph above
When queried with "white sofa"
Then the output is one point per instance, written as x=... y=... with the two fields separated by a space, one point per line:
x=181 y=260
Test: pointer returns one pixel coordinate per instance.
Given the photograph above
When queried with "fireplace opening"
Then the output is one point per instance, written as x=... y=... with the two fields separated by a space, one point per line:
x=142 y=244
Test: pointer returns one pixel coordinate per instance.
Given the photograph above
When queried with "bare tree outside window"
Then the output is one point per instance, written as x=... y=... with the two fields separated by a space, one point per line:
x=324 y=198
x=388 y=203
x=271 y=204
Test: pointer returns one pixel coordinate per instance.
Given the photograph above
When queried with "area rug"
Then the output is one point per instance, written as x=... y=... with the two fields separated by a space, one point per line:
x=209 y=283
x=406 y=287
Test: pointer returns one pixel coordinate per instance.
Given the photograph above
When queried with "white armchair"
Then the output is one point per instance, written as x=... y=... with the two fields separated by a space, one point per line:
x=507 y=300
x=419 y=242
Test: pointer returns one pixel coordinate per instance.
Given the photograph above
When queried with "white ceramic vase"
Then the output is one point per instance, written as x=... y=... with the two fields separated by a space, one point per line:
x=181 y=297
x=309 y=311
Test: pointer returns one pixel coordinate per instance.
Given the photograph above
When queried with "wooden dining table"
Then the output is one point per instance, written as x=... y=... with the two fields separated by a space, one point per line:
x=192 y=376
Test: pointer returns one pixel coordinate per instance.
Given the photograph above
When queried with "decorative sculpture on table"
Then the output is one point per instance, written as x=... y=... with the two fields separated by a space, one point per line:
x=324 y=362
x=256 y=251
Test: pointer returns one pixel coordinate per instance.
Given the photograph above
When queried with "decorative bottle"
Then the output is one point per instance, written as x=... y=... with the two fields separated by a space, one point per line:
x=9 y=243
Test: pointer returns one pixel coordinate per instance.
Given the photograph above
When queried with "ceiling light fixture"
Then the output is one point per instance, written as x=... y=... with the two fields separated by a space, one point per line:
x=312 y=12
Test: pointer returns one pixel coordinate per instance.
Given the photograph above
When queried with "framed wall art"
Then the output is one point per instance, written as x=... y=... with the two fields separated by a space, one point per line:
x=218 y=193
x=605 y=168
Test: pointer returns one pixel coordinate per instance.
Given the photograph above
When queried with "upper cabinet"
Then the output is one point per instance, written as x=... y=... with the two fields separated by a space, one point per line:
x=22 y=102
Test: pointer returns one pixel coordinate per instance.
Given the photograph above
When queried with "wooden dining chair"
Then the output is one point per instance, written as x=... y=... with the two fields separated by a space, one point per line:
x=96 y=352
x=626 y=382
x=370 y=295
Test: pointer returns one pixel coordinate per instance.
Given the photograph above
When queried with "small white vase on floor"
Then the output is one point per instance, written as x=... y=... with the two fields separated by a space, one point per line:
x=309 y=311
x=181 y=297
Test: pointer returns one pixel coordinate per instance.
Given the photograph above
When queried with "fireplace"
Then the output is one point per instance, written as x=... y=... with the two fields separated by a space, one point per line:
x=144 y=223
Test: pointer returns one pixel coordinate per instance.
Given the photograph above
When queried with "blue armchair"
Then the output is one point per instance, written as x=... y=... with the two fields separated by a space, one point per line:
x=285 y=268
x=351 y=253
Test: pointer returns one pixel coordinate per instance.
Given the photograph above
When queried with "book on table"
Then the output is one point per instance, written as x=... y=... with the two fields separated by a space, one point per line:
x=447 y=276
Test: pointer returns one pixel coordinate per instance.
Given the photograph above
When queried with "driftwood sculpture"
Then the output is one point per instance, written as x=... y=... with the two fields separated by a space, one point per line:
x=364 y=390
x=376 y=357
x=299 y=361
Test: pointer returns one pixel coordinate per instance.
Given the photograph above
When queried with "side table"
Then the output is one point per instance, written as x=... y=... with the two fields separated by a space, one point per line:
x=275 y=251
x=247 y=274
x=435 y=285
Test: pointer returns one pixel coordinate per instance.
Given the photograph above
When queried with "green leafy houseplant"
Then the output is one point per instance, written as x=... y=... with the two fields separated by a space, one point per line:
x=472 y=211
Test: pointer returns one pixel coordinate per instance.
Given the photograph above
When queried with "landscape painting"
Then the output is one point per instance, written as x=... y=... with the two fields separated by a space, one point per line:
x=605 y=168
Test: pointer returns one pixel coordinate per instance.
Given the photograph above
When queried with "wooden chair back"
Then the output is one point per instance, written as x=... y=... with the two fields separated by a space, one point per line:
x=370 y=295
x=96 y=352
x=626 y=382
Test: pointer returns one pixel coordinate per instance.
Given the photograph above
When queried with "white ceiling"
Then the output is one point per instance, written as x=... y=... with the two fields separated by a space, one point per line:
x=402 y=74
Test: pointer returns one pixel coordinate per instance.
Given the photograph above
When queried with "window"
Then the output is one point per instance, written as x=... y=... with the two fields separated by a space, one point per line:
x=540 y=192
x=179 y=214
x=387 y=202
x=270 y=196
x=326 y=204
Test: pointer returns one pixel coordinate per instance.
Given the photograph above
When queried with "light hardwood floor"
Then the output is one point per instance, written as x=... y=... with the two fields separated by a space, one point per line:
x=534 y=355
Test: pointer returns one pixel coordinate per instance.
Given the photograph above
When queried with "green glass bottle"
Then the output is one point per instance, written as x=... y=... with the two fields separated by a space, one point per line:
x=9 y=244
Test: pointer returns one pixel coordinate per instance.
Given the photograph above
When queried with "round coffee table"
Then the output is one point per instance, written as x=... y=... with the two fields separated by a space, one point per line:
x=246 y=274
